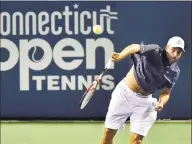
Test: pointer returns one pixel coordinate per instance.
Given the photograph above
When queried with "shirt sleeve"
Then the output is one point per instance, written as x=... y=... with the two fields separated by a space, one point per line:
x=150 y=47
x=171 y=85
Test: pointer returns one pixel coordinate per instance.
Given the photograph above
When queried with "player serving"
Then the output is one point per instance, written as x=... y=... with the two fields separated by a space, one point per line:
x=153 y=69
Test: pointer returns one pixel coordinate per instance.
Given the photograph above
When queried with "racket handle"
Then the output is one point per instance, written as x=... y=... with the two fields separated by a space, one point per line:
x=108 y=65
x=94 y=82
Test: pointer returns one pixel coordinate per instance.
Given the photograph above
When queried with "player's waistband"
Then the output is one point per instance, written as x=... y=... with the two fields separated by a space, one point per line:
x=123 y=83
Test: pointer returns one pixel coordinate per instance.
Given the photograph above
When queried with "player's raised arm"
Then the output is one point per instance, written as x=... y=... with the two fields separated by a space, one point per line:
x=131 y=49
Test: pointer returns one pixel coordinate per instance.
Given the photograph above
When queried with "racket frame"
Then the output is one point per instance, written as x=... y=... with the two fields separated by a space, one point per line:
x=98 y=80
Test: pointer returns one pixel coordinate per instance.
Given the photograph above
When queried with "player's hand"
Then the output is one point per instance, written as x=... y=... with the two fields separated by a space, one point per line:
x=116 y=57
x=159 y=106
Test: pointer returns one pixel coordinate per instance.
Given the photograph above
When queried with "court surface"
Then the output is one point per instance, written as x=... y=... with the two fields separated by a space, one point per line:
x=88 y=133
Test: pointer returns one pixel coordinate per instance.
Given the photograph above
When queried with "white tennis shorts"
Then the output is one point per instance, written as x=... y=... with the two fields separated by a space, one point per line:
x=126 y=103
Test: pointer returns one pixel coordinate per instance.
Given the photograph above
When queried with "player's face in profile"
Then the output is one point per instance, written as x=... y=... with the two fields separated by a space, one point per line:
x=173 y=54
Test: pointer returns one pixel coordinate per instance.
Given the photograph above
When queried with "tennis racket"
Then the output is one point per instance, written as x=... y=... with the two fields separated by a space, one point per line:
x=86 y=97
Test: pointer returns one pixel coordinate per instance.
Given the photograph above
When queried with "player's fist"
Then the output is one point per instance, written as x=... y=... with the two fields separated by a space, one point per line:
x=159 y=106
x=116 y=57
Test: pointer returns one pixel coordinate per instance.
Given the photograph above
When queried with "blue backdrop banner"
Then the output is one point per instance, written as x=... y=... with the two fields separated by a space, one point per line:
x=49 y=54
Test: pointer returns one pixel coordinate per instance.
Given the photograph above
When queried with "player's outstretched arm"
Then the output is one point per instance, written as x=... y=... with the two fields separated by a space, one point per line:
x=163 y=98
x=131 y=49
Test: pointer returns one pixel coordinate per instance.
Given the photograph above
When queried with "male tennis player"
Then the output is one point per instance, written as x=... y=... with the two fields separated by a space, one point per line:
x=153 y=69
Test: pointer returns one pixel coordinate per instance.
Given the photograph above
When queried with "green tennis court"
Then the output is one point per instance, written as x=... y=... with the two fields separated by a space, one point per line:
x=88 y=133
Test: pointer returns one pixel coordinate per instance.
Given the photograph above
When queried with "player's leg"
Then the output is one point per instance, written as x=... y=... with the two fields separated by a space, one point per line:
x=108 y=136
x=136 y=138
x=142 y=119
x=118 y=112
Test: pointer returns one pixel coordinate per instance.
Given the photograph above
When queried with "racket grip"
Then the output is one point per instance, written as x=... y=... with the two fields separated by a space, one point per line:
x=94 y=82
x=108 y=65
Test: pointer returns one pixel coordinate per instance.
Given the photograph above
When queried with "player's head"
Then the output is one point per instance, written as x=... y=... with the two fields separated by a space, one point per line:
x=174 y=48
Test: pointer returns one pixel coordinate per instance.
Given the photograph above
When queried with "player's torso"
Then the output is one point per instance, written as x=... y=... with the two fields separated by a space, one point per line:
x=149 y=72
x=132 y=83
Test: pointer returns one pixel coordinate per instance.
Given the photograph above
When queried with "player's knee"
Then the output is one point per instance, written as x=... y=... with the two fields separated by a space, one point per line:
x=109 y=134
x=136 y=139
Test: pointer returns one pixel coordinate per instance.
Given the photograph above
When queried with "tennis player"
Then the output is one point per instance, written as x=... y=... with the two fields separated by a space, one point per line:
x=153 y=69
